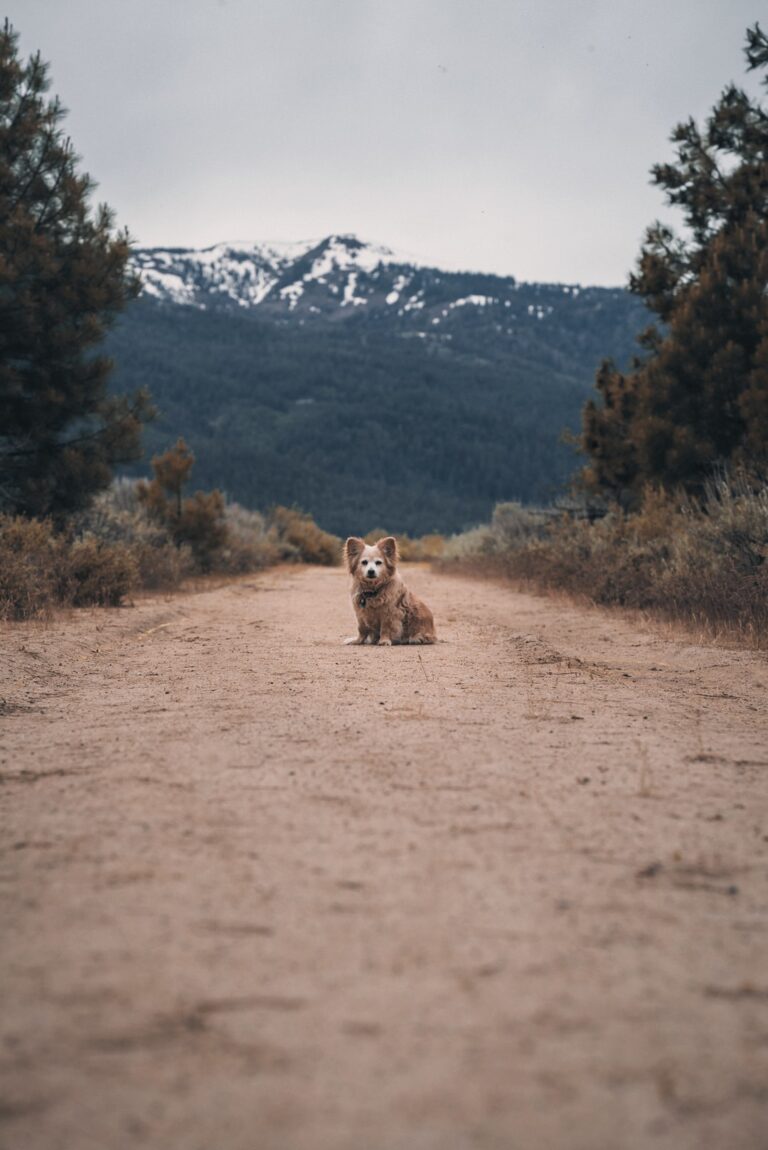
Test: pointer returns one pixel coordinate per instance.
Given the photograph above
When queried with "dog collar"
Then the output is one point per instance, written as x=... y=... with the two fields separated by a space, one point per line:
x=366 y=595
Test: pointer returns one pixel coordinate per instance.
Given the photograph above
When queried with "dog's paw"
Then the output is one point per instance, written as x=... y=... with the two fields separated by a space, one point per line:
x=385 y=642
x=355 y=641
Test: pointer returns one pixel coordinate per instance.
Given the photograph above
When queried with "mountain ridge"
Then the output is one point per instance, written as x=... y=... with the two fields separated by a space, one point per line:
x=275 y=275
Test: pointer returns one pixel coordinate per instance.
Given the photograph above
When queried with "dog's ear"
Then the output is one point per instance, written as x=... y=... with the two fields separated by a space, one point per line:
x=352 y=551
x=388 y=548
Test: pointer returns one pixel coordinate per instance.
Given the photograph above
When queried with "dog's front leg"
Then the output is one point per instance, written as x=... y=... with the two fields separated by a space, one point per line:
x=364 y=634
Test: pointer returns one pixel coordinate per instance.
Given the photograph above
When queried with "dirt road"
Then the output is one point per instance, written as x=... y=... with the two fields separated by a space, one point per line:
x=261 y=891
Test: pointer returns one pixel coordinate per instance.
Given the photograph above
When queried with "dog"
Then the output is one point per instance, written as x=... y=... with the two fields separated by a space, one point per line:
x=387 y=612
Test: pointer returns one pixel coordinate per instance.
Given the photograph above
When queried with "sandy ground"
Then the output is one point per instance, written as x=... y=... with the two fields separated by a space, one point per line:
x=260 y=891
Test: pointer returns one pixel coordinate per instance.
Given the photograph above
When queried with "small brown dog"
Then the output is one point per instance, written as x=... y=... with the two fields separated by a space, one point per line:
x=386 y=610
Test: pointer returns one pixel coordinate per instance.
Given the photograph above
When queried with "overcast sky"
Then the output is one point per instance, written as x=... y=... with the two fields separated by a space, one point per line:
x=512 y=136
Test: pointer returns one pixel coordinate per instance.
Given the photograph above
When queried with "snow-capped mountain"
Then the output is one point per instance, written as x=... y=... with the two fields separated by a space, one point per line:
x=340 y=269
x=341 y=275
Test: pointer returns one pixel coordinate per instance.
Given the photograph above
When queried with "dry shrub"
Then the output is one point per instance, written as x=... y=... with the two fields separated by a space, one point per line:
x=201 y=527
x=718 y=571
x=421 y=550
x=117 y=516
x=30 y=568
x=297 y=538
x=475 y=546
x=377 y=533
x=99 y=573
x=197 y=523
x=512 y=527
x=40 y=569
x=162 y=566
x=702 y=562
x=207 y=535
x=249 y=545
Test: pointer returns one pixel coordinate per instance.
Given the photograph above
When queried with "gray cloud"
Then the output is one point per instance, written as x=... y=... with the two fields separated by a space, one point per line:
x=502 y=135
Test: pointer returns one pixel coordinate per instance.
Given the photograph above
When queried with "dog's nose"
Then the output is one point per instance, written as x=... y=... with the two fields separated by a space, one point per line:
x=371 y=574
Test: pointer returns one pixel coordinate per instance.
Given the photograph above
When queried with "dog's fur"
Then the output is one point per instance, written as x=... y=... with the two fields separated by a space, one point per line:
x=386 y=610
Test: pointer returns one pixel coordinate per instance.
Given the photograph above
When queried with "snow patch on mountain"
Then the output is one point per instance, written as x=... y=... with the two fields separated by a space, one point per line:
x=415 y=302
x=397 y=287
x=167 y=285
x=349 y=292
x=474 y=300
x=292 y=293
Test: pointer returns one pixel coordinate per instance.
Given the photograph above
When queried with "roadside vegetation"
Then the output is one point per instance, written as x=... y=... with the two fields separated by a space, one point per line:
x=149 y=536
x=702 y=561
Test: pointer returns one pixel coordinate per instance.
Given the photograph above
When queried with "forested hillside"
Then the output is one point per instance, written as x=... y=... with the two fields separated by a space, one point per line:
x=418 y=416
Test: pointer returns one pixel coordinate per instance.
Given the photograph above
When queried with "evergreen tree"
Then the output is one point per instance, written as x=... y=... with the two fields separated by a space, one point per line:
x=699 y=395
x=64 y=277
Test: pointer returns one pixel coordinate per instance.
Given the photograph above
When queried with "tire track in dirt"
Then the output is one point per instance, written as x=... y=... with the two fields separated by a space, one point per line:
x=259 y=889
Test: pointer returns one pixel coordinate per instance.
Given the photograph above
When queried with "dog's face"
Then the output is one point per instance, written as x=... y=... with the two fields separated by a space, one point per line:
x=372 y=564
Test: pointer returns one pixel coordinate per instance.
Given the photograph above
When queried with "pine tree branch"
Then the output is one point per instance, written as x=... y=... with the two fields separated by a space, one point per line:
x=130 y=416
x=36 y=173
x=41 y=219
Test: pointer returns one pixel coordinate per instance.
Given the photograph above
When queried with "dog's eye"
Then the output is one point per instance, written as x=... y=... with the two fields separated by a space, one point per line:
x=378 y=562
